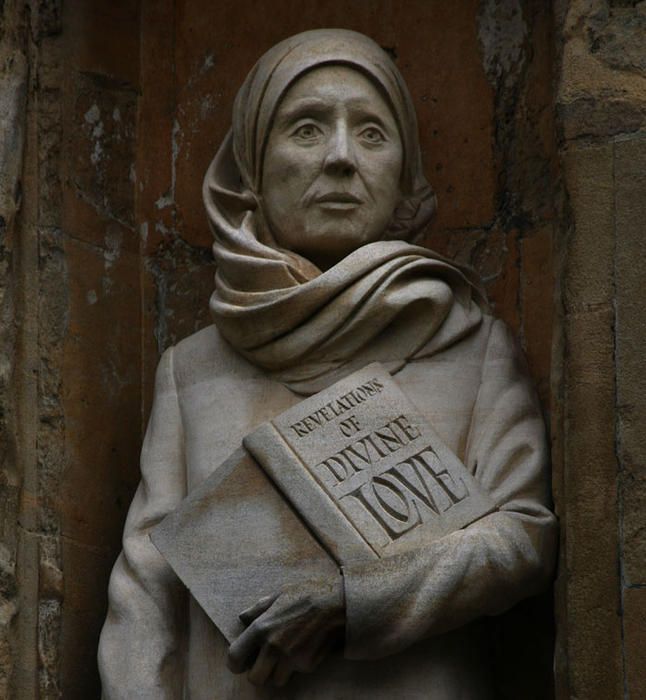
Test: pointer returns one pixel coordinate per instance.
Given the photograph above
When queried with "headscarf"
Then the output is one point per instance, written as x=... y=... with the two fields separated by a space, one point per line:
x=387 y=301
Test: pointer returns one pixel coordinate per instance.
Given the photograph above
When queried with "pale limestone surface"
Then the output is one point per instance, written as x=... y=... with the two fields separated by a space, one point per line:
x=363 y=469
x=297 y=317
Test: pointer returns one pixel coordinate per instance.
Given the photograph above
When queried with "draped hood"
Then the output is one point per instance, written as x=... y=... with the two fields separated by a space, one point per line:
x=388 y=301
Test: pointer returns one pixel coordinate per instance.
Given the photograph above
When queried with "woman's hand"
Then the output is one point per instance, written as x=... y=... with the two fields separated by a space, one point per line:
x=292 y=631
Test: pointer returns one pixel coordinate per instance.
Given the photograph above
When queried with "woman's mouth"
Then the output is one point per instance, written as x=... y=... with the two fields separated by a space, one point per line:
x=339 y=201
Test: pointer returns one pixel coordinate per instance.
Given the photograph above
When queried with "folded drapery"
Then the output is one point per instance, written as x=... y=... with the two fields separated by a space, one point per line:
x=388 y=301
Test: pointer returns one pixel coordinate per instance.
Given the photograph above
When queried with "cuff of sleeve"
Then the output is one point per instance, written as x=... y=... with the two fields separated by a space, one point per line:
x=353 y=611
x=367 y=590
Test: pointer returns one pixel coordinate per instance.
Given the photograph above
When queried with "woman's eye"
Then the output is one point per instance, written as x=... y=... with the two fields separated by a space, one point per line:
x=372 y=135
x=307 y=132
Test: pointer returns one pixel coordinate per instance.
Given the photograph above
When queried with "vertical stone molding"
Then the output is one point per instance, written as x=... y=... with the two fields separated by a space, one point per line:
x=601 y=455
x=13 y=94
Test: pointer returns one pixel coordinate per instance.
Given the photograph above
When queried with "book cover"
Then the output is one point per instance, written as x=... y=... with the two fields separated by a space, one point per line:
x=234 y=540
x=354 y=472
x=365 y=470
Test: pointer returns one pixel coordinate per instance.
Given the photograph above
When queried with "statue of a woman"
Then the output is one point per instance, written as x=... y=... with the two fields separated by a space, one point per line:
x=314 y=198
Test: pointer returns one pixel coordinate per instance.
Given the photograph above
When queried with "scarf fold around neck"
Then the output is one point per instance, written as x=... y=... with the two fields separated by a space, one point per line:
x=388 y=301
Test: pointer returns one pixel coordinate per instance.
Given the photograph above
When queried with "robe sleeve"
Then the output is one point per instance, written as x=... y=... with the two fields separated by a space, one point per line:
x=487 y=567
x=141 y=643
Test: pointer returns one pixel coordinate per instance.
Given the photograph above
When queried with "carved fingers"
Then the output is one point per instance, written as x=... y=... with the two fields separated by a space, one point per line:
x=250 y=614
x=264 y=665
x=289 y=632
x=282 y=672
x=244 y=650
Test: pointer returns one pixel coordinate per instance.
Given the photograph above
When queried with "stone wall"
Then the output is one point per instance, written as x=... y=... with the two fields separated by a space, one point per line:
x=13 y=90
x=70 y=387
x=110 y=111
x=599 y=379
x=32 y=330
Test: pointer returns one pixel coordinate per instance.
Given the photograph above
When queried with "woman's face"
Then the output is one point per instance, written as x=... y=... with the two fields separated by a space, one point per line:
x=332 y=165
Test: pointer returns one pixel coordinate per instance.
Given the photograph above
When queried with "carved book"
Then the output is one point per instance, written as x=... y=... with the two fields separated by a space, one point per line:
x=353 y=472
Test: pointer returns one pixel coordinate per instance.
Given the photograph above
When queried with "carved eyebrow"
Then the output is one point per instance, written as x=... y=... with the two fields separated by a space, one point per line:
x=367 y=115
x=308 y=106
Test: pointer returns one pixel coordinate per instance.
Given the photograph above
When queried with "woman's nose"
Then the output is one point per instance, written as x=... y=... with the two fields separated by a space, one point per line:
x=340 y=158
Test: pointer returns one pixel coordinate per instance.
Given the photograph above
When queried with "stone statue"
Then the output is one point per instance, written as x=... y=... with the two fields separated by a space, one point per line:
x=314 y=199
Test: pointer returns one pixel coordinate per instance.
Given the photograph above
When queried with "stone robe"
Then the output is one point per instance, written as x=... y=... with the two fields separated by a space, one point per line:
x=415 y=626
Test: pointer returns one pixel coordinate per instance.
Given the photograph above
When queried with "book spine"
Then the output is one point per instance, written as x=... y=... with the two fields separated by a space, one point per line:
x=330 y=526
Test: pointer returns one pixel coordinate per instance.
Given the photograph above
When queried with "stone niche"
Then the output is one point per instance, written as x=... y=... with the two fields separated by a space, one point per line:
x=122 y=108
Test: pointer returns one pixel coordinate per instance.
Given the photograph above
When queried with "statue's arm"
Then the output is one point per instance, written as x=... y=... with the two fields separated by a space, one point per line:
x=140 y=647
x=489 y=566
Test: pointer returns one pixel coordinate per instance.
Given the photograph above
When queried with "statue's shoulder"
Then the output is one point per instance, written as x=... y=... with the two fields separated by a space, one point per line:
x=205 y=356
x=491 y=341
x=502 y=342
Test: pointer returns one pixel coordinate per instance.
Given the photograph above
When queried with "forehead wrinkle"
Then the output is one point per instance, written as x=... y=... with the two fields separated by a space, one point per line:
x=287 y=111
x=331 y=86
x=364 y=107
